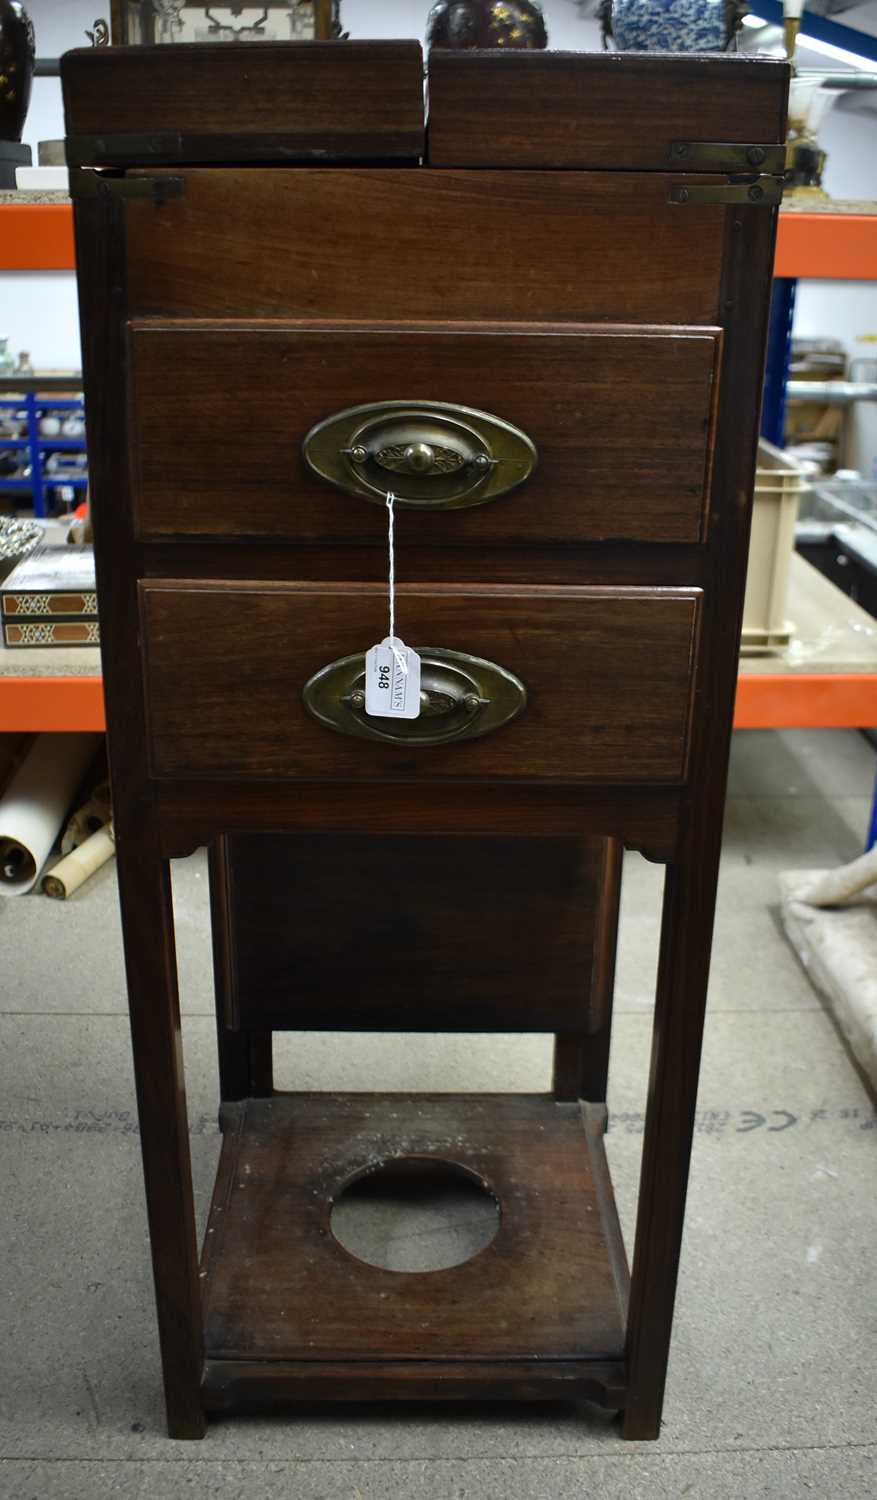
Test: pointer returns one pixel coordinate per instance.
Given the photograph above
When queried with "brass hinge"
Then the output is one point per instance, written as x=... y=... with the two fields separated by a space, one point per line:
x=762 y=192
x=85 y=183
x=726 y=156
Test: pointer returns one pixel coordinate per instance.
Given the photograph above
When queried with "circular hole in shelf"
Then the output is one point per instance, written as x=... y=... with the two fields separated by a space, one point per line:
x=415 y=1213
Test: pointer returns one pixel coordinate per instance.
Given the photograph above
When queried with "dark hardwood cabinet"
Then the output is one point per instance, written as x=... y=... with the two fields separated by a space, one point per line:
x=537 y=317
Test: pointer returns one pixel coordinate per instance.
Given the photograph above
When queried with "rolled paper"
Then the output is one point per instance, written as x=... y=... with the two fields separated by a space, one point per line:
x=35 y=803
x=88 y=818
x=74 y=869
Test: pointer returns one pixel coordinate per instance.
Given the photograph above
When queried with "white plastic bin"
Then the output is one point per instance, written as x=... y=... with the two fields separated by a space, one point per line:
x=779 y=482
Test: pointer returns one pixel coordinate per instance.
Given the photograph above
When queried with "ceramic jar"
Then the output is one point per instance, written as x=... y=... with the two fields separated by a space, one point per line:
x=486 y=23
x=669 y=25
x=17 y=56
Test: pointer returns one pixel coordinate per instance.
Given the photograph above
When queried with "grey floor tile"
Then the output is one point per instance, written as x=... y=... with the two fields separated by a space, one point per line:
x=64 y=956
x=444 y=1064
x=753 y=967
x=782 y=835
x=192 y=923
x=631 y=1473
x=780 y=763
x=71 y=959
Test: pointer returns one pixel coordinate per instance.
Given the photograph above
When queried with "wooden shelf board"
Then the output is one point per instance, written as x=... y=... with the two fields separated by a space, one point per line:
x=546 y=1291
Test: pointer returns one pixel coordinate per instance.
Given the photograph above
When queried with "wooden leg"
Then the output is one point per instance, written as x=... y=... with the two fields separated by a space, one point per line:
x=581 y=1060
x=245 y=1056
x=150 y=959
x=595 y=1062
x=683 y=971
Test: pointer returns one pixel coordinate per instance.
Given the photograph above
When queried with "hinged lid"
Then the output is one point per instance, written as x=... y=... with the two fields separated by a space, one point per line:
x=254 y=102
x=620 y=110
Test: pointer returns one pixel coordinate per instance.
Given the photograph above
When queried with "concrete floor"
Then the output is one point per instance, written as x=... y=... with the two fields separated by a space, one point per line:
x=771 y=1390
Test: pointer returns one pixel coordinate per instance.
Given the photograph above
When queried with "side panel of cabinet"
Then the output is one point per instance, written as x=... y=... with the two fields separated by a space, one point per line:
x=456 y=933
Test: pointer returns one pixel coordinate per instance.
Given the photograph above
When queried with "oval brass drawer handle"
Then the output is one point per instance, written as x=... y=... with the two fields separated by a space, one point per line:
x=432 y=455
x=461 y=698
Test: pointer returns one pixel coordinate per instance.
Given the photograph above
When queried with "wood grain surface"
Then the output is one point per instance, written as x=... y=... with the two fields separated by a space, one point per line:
x=291 y=101
x=631 y=684
x=579 y=109
x=495 y=246
x=609 y=674
x=339 y=932
x=253 y=1385
x=621 y=419
x=647 y=818
x=279 y=1286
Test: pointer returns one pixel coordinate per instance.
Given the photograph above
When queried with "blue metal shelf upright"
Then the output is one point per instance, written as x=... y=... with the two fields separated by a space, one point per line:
x=29 y=410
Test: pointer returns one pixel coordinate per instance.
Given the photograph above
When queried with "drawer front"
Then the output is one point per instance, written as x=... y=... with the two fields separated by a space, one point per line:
x=621 y=419
x=496 y=246
x=608 y=675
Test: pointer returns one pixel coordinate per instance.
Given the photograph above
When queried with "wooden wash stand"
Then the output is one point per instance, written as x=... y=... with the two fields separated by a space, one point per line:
x=540 y=321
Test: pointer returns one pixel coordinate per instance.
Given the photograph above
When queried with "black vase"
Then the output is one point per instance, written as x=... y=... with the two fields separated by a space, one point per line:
x=486 y=23
x=17 y=54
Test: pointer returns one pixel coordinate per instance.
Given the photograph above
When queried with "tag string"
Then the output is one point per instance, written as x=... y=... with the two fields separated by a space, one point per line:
x=400 y=658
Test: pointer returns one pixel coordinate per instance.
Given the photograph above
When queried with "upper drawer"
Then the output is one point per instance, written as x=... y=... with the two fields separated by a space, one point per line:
x=389 y=244
x=607 y=673
x=621 y=419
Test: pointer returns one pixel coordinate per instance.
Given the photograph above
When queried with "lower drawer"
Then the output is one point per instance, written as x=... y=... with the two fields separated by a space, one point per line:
x=608 y=674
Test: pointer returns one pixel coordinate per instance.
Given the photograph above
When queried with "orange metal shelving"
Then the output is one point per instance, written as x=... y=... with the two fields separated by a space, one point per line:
x=835 y=247
x=36 y=237
x=840 y=246
x=829 y=700
x=805 y=700
x=59 y=704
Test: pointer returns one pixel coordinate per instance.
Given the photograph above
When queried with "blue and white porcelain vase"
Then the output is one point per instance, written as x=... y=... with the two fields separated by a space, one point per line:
x=669 y=25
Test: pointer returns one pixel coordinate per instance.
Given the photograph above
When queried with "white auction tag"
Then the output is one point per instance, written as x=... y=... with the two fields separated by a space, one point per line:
x=392 y=680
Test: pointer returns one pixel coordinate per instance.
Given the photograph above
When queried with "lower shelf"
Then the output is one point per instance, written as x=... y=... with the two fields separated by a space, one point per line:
x=289 y=1313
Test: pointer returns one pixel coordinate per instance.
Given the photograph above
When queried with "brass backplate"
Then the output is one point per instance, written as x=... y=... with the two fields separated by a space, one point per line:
x=462 y=696
x=432 y=455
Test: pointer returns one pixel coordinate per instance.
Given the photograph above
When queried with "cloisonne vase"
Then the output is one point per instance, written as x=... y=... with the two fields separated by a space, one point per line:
x=17 y=55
